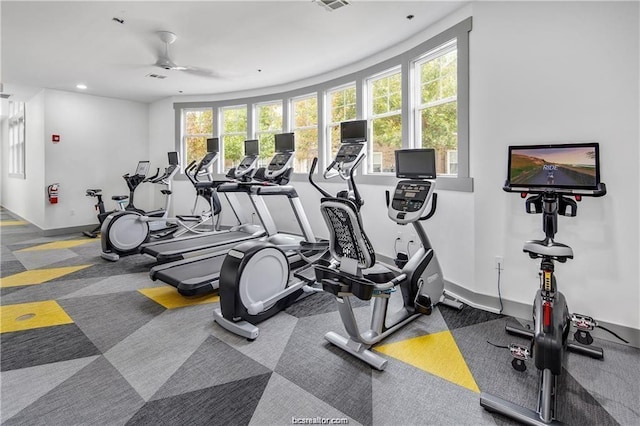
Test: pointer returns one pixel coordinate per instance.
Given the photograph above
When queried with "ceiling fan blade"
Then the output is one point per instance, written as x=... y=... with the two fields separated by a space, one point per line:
x=202 y=72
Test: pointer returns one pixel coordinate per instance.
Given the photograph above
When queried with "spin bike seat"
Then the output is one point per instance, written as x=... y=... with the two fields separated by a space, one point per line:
x=548 y=248
x=119 y=197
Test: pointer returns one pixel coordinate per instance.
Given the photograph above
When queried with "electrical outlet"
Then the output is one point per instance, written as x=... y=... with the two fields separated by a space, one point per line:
x=499 y=263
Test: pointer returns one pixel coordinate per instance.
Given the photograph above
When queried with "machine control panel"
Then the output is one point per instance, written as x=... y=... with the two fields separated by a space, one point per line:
x=246 y=166
x=280 y=162
x=409 y=200
x=349 y=153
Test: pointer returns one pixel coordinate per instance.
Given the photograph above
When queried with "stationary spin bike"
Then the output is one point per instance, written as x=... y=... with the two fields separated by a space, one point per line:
x=576 y=174
x=420 y=280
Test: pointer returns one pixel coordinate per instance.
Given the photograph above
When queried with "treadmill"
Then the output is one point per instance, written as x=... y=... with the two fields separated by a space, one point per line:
x=200 y=275
x=217 y=241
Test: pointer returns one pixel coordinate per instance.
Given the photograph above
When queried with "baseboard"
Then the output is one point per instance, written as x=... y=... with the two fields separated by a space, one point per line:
x=523 y=311
x=69 y=230
x=56 y=231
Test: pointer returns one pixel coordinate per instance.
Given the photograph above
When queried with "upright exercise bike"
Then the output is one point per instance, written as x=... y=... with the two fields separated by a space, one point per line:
x=353 y=274
x=576 y=174
x=102 y=213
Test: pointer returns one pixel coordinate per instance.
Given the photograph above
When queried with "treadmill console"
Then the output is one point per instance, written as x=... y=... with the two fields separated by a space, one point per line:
x=279 y=164
x=410 y=199
x=246 y=166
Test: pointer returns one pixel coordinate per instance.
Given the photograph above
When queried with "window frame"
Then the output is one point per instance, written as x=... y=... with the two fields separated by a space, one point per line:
x=460 y=32
x=182 y=147
x=329 y=124
x=419 y=106
x=292 y=126
x=17 y=126
x=222 y=133
x=368 y=168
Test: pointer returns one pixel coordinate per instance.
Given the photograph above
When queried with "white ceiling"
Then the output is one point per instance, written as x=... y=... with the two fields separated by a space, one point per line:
x=60 y=44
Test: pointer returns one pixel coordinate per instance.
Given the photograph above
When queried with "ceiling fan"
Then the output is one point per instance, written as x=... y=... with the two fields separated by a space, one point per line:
x=164 y=61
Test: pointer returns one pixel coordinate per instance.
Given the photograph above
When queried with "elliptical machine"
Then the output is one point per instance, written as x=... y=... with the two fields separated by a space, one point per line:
x=121 y=200
x=254 y=279
x=576 y=173
x=420 y=280
x=122 y=233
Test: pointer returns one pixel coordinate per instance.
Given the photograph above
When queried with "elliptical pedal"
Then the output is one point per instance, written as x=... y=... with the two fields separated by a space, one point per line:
x=423 y=304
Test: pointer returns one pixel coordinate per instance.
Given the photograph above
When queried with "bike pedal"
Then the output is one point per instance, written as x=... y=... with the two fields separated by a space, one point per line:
x=520 y=354
x=583 y=322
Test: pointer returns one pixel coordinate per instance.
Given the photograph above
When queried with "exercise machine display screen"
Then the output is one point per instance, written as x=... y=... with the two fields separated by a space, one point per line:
x=410 y=196
x=213 y=145
x=279 y=161
x=353 y=131
x=173 y=158
x=285 y=142
x=416 y=163
x=568 y=166
x=143 y=168
x=348 y=152
x=251 y=147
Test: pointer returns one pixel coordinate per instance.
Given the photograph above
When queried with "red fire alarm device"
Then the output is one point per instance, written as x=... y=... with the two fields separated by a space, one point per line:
x=55 y=138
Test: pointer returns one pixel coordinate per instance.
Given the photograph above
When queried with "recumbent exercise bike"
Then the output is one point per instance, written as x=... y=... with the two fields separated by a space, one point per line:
x=420 y=279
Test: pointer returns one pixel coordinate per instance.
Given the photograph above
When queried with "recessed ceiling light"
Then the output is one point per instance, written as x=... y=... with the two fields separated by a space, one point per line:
x=81 y=86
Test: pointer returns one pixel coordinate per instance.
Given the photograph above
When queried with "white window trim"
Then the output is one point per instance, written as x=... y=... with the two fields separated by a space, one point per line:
x=17 y=139
x=221 y=120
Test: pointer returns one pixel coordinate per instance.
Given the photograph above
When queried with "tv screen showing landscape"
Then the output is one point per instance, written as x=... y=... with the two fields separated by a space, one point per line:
x=554 y=166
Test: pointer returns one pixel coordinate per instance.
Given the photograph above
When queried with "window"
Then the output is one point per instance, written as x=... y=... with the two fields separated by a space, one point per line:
x=385 y=115
x=269 y=123
x=436 y=109
x=16 y=139
x=305 y=128
x=197 y=127
x=233 y=135
x=342 y=107
x=419 y=98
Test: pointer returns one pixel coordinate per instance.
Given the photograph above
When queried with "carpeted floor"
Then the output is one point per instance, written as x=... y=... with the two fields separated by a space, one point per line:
x=85 y=341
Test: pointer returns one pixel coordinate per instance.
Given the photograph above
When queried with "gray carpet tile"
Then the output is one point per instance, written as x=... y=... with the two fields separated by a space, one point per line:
x=405 y=395
x=613 y=382
x=9 y=290
x=421 y=326
x=270 y=344
x=28 y=348
x=465 y=317
x=203 y=369
x=97 y=394
x=120 y=315
x=6 y=254
x=154 y=352
x=326 y=372
x=228 y=404
x=38 y=259
x=22 y=387
x=317 y=303
x=103 y=268
x=11 y=267
x=492 y=370
x=50 y=290
x=114 y=284
x=284 y=401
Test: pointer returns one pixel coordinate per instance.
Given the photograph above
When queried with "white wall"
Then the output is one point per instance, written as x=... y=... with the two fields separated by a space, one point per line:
x=101 y=139
x=558 y=72
x=540 y=72
x=26 y=197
